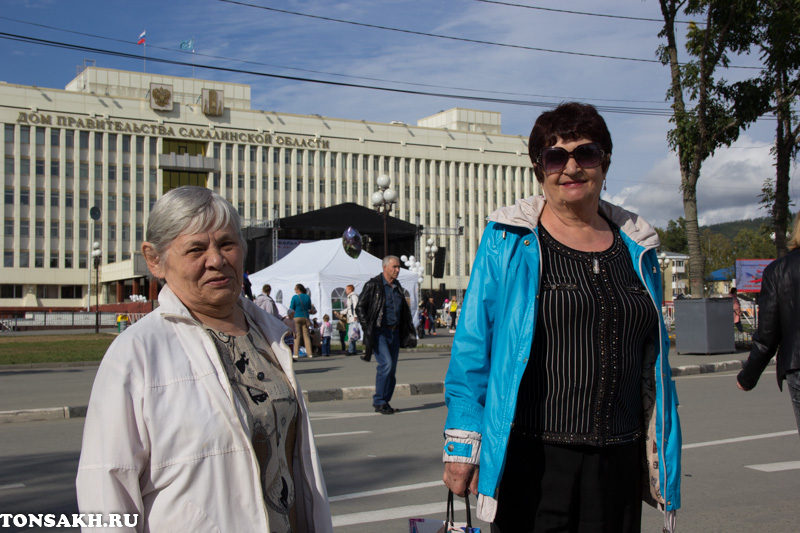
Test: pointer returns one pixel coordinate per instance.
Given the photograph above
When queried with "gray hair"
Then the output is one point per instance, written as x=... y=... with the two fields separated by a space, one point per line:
x=189 y=210
x=389 y=258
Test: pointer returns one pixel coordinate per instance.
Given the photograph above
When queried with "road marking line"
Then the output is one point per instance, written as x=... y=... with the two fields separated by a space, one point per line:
x=776 y=467
x=390 y=490
x=335 y=416
x=720 y=374
x=340 y=434
x=410 y=511
x=739 y=439
x=12 y=486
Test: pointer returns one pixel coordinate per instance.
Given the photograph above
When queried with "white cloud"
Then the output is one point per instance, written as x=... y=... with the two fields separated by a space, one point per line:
x=728 y=188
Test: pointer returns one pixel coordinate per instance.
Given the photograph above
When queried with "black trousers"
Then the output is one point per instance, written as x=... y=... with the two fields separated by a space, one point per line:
x=567 y=488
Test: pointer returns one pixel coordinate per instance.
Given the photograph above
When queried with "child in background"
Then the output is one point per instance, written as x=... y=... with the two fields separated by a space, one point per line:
x=341 y=327
x=325 y=330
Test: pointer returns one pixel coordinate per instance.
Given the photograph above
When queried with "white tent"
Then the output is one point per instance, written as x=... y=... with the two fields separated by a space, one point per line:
x=325 y=269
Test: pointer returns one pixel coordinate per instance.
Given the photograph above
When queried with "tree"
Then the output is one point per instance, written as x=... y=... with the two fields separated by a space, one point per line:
x=673 y=239
x=754 y=244
x=779 y=40
x=718 y=114
x=718 y=251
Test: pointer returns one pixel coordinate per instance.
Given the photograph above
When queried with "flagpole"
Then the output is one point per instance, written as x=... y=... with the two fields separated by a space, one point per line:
x=192 y=56
x=145 y=57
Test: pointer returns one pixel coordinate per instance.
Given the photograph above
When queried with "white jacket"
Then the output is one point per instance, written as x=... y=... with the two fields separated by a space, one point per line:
x=166 y=438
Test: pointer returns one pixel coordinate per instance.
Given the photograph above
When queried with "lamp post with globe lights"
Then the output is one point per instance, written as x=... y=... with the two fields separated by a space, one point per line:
x=96 y=257
x=382 y=200
x=430 y=251
x=663 y=262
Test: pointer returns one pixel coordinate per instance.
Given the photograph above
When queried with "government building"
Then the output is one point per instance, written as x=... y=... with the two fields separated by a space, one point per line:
x=84 y=165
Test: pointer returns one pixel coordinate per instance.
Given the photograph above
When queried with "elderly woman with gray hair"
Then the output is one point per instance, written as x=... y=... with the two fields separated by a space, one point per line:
x=196 y=421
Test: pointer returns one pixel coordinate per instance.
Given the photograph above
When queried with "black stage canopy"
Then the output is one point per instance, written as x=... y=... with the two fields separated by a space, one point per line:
x=330 y=223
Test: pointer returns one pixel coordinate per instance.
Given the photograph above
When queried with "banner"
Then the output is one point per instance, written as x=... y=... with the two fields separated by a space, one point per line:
x=749 y=273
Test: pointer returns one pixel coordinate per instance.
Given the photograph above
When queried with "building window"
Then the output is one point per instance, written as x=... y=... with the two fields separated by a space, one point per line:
x=112 y=172
x=126 y=173
x=83 y=230
x=24 y=259
x=24 y=197
x=70 y=292
x=11 y=291
x=54 y=229
x=54 y=169
x=47 y=291
x=39 y=228
x=69 y=229
x=69 y=169
x=8 y=258
x=98 y=141
x=82 y=260
x=139 y=203
x=83 y=171
x=69 y=138
x=83 y=200
x=38 y=259
x=139 y=233
x=9 y=133
x=40 y=167
x=139 y=174
x=67 y=260
x=112 y=202
x=98 y=172
x=9 y=196
x=112 y=231
x=9 y=166
x=83 y=140
x=126 y=203
x=126 y=232
x=40 y=136
x=54 y=258
x=68 y=198
x=9 y=227
x=24 y=228
x=53 y=198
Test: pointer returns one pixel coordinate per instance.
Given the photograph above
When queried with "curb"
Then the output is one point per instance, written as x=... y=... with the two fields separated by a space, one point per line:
x=326 y=395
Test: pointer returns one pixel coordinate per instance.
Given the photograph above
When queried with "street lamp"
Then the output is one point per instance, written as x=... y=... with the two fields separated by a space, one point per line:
x=96 y=257
x=663 y=262
x=382 y=200
x=430 y=250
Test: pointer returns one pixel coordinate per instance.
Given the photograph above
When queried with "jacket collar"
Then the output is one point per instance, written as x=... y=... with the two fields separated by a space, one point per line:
x=525 y=213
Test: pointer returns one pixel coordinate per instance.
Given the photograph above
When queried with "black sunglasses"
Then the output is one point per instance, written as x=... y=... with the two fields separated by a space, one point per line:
x=554 y=159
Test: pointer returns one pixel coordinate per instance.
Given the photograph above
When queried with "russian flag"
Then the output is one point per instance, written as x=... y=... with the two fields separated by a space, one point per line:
x=141 y=38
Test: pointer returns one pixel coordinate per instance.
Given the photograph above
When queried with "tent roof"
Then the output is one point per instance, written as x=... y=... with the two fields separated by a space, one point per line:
x=339 y=217
x=723 y=274
x=326 y=260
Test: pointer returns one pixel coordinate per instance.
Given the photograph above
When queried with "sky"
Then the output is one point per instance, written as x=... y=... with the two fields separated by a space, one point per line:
x=549 y=57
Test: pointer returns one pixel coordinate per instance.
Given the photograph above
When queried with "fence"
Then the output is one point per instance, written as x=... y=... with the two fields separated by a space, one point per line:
x=42 y=320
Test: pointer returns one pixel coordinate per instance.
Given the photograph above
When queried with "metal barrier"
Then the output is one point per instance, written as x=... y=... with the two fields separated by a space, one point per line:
x=33 y=320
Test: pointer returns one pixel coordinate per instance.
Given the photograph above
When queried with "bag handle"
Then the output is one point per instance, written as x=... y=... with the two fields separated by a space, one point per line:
x=450 y=517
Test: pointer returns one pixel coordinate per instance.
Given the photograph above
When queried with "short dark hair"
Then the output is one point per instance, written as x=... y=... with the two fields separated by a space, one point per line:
x=569 y=121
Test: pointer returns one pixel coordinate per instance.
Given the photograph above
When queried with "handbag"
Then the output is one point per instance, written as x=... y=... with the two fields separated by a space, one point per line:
x=449 y=524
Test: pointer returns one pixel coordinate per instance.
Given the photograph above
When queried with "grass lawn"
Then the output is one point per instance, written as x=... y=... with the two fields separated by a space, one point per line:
x=53 y=348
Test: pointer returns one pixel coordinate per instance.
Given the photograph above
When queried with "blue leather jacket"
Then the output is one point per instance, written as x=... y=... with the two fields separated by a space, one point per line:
x=493 y=343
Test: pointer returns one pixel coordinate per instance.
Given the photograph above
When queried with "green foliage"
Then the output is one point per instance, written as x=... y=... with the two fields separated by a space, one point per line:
x=673 y=238
x=754 y=244
x=718 y=251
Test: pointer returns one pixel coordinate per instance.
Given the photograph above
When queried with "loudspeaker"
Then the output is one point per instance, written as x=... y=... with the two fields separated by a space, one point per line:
x=438 y=262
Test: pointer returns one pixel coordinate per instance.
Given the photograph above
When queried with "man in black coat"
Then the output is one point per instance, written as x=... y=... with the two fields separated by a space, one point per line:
x=387 y=325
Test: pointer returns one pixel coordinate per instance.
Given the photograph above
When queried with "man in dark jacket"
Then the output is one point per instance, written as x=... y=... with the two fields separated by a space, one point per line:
x=387 y=325
x=778 y=309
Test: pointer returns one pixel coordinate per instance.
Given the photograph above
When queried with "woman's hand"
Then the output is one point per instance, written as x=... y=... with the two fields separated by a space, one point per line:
x=461 y=478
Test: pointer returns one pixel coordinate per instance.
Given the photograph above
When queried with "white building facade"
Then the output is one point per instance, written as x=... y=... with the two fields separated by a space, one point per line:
x=118 y=140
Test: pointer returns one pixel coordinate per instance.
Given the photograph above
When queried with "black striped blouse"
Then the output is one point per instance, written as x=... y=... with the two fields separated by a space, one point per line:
x=582 y=383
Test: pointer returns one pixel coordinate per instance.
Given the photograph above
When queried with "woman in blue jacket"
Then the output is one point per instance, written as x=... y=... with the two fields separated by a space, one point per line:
x=562 y=413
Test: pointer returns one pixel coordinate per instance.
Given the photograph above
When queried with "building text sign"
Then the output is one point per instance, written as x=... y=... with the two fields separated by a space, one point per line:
x=165 y=130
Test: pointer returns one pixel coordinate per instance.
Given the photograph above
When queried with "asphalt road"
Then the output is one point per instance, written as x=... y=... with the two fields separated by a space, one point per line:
x=382 y=470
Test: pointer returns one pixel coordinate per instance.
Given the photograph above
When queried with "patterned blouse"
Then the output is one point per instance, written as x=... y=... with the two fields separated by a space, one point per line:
x=582 y=384
x=262 y=387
